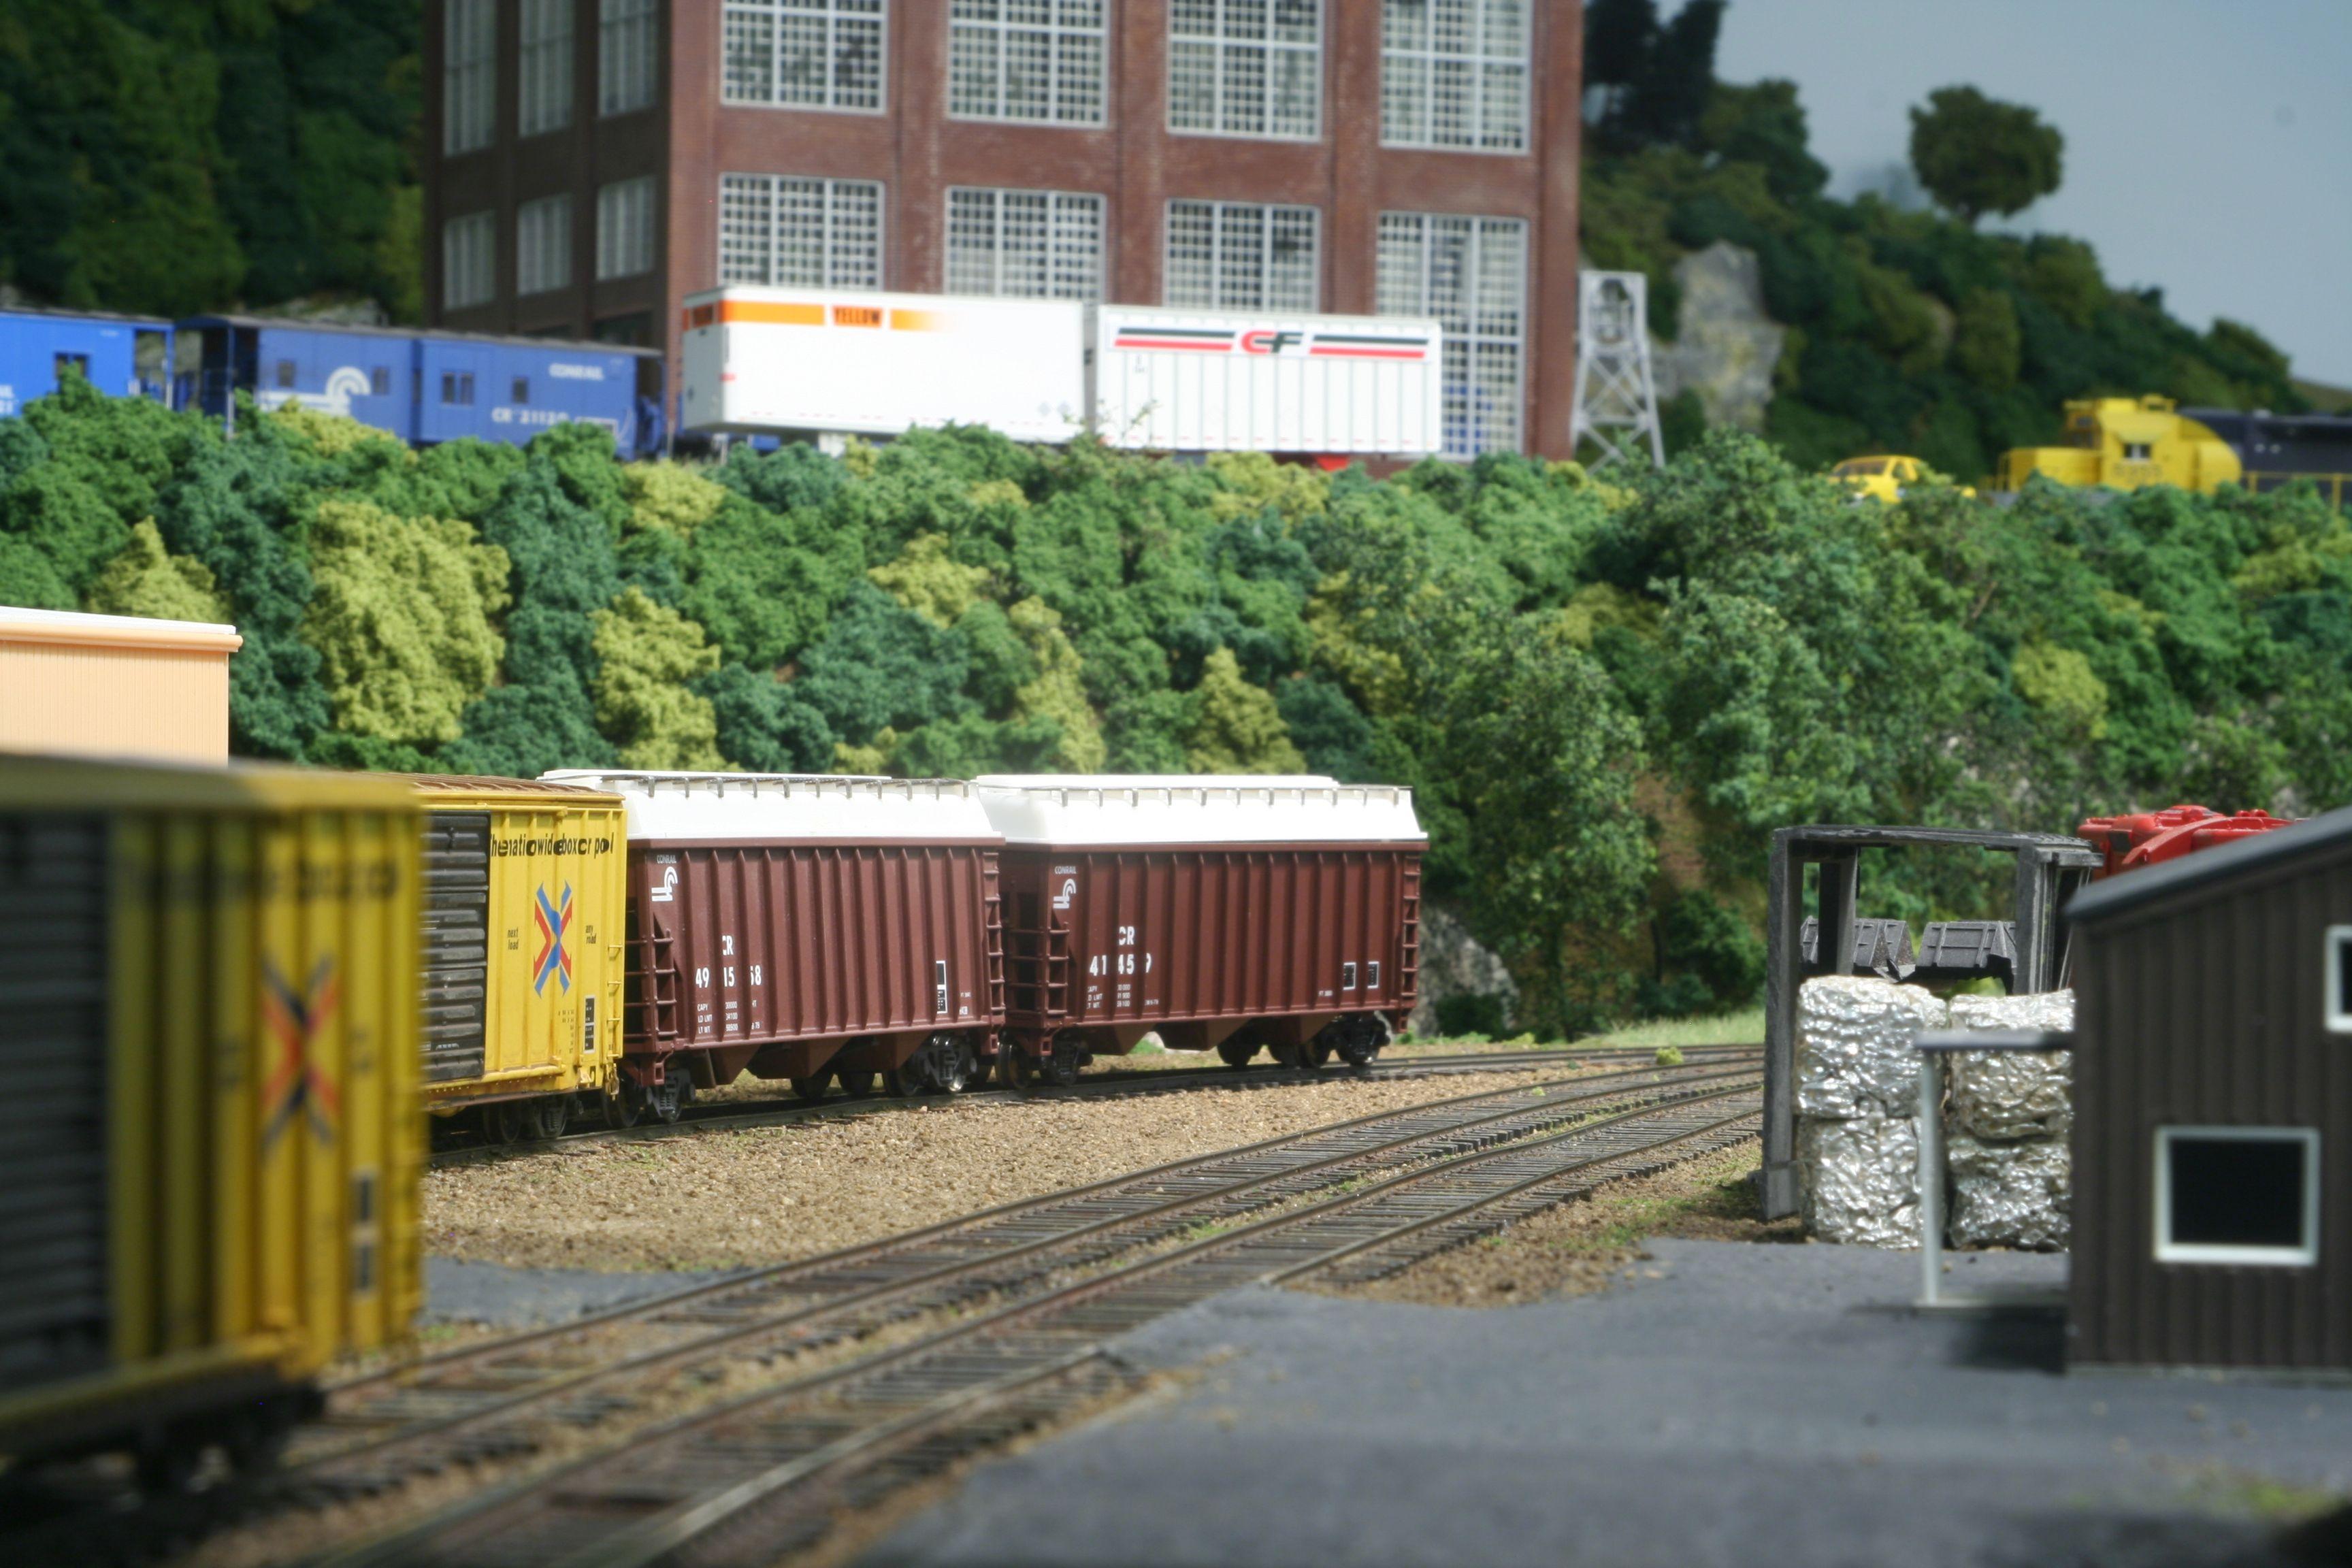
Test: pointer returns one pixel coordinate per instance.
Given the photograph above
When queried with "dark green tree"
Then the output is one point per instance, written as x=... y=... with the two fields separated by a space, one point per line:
x=1978 y=155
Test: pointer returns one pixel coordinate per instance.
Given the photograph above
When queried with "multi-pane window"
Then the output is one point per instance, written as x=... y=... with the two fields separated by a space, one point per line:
x=543 y=70
x=1234 y=255
x=625 y=228
x=805 y=54
x=1454 y=73
x=815 y=234
x=469 y=256
x=543 y=244
x=1471 y=273
x=1245 y=68
x=1035 y=244
x=1026 y=60
x=627 y=52
x=470 y=78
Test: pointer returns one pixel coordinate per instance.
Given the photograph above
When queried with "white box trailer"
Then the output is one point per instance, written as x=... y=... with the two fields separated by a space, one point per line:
x=878 y=364
x=770 y=360
x=1190 y=381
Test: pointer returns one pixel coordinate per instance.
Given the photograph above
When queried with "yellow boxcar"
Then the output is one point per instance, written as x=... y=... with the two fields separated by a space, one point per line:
x=213 y=1152
x=524 y=911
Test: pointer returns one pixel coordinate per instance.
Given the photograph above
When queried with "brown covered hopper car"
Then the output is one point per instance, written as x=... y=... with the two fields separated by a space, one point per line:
x=805 y=928
x=1220 y=913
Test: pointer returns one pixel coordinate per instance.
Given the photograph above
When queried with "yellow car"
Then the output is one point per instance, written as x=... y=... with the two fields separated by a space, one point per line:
x=1884 y=477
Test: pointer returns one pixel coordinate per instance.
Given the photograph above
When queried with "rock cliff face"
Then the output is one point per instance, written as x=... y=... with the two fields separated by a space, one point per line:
x=1727 y=347
x=1453 y=962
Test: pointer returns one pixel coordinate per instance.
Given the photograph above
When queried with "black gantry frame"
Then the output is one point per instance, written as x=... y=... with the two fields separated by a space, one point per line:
x=2050 y=867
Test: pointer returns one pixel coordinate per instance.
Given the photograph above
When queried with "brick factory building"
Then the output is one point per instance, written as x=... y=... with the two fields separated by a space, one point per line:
x=594 y=162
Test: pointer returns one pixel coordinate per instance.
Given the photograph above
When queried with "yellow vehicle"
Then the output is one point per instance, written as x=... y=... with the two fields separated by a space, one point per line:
x=212 y=1150
x=525 y=910
x=1884 y=477
x=2124 y=442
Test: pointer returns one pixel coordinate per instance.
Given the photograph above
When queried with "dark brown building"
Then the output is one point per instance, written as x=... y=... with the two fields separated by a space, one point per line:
x=2213 y=1108
x=594 y=162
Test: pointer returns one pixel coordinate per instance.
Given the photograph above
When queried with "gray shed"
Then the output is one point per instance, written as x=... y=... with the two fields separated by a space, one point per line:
x=2213 y=1108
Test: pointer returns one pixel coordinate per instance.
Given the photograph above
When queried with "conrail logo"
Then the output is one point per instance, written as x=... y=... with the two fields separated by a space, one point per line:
x=506 y=848
x=1281 y=342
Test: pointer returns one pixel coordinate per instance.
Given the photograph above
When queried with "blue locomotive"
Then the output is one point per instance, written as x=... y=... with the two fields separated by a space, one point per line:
x=422 y=387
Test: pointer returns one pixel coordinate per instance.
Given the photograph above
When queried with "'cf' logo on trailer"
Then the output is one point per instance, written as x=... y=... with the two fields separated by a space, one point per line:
x=1269 y=343
x=294 y=1018
x=554 y=919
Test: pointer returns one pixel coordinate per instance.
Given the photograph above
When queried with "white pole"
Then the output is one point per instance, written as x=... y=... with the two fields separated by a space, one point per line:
x=1931 y=1179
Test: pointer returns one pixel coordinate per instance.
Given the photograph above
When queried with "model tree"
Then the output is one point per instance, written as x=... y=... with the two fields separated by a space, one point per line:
x=1978 y=156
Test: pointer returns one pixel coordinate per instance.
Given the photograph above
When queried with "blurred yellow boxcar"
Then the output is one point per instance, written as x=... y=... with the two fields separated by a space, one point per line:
x=524 y=909
x=212 y=1151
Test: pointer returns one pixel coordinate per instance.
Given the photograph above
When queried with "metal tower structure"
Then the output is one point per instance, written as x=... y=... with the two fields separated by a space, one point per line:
x=1616 y=398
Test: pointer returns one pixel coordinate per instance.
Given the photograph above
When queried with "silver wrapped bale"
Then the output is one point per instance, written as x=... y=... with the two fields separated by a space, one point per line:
x=1861 y=1180
x=1854 y=1046
x=2009 y=1194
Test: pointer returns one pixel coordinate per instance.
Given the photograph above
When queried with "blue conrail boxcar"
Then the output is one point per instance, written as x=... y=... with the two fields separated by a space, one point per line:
x=427 y=387
x=123 y=355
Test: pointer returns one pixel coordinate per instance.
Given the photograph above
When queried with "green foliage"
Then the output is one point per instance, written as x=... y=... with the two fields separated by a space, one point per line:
x=648 y=654
x=146 y=580
x=1764 y=125
x=182 y=158
x=1236 y=727
x=402 y=618
x=1978 y=156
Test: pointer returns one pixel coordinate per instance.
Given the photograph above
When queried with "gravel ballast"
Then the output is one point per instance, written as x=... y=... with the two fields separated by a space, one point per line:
x=726 y=1199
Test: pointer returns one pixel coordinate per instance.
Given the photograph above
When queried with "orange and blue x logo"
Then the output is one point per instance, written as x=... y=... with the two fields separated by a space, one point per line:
x=554 y=919
x=297 y=1087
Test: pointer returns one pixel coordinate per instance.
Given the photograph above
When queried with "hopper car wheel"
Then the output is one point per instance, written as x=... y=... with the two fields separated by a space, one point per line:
x=1068 y=1059
x=857 y=1085
x=1361 y=1040
x=1314 y=1053
x=501 y=1122
x=812 y=1088
x=670 y=1100
x=1291 y=1057
x=952 y=1070
x=554 y=1114
x=622 y=1105
x=1015 y=1067
x=1236 y=1053
x=907 y=1081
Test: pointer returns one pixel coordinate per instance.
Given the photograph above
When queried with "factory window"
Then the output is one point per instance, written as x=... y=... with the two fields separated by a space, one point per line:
x=543 y=244
x=1231 y=255
x=624 y=228
x=812 y=234
x=522 y=389
x=469 y=81
x=469 y=260
x=627 y=53
x=1038 y=60
x=2337 y=966
x=286 y=374
x=805 y=54
x=543 y=72
x=2237 y=1195
x=380 y=381
x=1454 y=73
x=458 y=388
x=1031 y=245
x=1245 y=68
x=1471 y=273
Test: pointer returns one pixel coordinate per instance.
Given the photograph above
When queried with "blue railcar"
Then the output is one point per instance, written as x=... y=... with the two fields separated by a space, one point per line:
x=128 y=356
x=427 y=387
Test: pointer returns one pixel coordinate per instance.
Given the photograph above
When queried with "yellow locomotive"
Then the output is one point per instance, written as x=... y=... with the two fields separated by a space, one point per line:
x=2124 y=442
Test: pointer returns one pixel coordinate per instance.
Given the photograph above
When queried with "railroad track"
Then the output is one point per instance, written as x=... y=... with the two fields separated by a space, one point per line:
x=1037 y=1289
x=743 y=1115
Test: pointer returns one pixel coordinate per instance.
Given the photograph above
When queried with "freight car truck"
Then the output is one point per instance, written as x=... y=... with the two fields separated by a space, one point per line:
x=523 y=910
x=1220 y=913
x=804 y=928
x=211 y=1155
x=804 y=360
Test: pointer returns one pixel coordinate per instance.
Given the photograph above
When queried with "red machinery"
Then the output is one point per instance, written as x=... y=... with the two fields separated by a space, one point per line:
x=2151 y=837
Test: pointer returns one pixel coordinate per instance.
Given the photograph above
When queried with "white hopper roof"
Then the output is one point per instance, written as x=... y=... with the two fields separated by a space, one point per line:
x=1200 y=808
x=678 y=807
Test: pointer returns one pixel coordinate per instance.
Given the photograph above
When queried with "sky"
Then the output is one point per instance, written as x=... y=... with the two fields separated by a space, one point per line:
x=2209 y=143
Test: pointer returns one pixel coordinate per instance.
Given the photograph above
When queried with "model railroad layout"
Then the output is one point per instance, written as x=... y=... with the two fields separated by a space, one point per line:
x=890 y=1359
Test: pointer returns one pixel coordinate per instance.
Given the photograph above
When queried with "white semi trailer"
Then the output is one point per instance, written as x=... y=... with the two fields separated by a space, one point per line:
x=778 y=361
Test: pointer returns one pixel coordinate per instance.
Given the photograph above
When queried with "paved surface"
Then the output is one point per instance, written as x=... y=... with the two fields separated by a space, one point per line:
x=1731 y=1405
x=460 y=1292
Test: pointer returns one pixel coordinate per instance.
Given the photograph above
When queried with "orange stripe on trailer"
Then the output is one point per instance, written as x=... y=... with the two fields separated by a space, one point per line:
x=771 y=312
x=919 y=320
